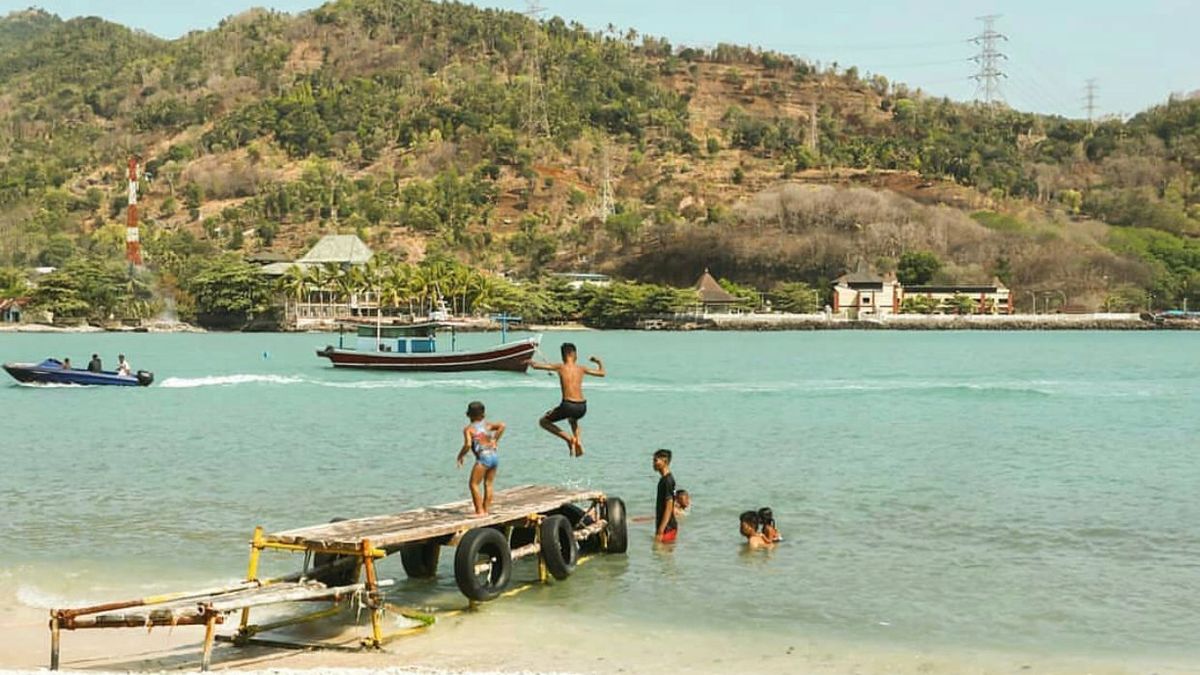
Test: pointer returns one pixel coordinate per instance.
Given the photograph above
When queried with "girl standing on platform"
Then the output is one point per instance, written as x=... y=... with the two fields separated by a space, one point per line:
x=482 y=438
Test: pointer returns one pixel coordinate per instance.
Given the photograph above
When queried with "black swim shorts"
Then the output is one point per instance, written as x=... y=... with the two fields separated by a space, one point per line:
x=567 y=410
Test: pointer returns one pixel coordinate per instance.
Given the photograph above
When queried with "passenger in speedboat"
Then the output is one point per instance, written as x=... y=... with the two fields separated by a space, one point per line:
x=122 y=365
x=66 y=363
x=94 y=366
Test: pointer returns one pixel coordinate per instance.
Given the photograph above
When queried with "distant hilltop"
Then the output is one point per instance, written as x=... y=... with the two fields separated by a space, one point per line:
x=442 y=129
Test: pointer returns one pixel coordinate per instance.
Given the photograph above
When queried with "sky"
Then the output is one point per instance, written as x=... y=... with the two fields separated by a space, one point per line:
x=1138 y=53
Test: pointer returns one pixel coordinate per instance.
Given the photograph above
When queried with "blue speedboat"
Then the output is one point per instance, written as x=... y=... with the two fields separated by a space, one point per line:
x=51 y=371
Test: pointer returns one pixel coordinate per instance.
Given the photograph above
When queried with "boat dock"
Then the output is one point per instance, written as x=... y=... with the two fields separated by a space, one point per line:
x=339 y=565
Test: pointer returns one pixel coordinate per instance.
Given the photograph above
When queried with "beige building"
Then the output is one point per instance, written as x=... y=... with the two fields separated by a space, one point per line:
x=866 y=295
x=993 y=298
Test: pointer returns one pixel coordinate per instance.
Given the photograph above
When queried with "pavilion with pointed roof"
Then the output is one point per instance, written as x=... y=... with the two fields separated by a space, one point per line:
x=713 y=298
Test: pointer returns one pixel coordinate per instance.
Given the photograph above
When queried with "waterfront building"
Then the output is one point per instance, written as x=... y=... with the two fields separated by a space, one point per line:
x=993 y=298
x=322 y=302
x=862 y=294
x=866 y=295
x=713 y=299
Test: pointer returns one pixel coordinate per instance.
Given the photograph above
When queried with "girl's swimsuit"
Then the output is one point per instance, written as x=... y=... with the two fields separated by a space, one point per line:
x=483 y=445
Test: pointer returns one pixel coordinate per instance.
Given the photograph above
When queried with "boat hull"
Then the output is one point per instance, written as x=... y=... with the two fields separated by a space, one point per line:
x=41 y=373
x=511 y=356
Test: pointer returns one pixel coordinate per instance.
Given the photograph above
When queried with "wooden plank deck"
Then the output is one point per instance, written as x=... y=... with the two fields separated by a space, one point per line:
x=193 y=609
x=435 y=521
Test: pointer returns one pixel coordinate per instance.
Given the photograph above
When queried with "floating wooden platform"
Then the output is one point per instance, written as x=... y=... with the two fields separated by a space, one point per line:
x=432 y=522
x=530 y=520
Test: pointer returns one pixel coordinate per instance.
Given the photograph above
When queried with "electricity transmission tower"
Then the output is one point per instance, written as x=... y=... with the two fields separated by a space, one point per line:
x=537 y=122
x=1090 y=99
x=987 y=78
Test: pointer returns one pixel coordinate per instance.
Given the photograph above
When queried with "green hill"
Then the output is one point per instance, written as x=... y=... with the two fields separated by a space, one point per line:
x=446 y=132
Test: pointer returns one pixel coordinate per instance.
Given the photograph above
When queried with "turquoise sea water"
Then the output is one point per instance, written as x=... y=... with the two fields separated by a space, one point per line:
x=1021 y=492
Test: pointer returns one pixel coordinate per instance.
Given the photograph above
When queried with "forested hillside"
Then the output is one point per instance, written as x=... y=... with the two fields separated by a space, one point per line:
x=462 y=137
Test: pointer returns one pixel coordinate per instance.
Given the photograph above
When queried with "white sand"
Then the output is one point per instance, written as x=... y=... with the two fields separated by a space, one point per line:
x=488 y=642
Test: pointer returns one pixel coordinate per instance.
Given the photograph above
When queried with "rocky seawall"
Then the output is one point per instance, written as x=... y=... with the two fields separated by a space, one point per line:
x=767 y=322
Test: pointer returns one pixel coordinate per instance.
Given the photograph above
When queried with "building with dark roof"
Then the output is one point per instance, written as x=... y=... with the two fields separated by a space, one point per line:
x=863 y=294
x=714 y=299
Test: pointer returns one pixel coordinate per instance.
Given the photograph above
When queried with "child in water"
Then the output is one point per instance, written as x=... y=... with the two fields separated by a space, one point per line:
x=482 y=438
x=769 y=531
x=683 y=503
x=749 y=524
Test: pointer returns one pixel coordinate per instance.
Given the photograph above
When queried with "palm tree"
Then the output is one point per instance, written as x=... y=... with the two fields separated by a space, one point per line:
x=294 y=286
x=394 y=288
x=420 y=283
x=458 y=282
x=483 y=290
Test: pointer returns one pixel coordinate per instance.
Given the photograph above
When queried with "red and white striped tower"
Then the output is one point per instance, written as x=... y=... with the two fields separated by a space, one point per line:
x=133 y=246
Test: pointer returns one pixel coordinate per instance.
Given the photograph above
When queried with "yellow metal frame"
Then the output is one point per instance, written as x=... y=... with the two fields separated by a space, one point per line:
x=366 y=554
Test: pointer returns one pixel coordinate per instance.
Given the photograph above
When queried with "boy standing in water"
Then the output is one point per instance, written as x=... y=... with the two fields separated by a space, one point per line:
x=573 y=406
x=665 y=526
x=481 y=438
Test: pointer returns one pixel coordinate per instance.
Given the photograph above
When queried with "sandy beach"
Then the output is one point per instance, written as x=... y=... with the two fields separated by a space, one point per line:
x=483 y=642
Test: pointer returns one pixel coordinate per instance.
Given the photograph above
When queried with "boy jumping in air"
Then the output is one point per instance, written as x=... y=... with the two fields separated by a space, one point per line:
x=573 y=406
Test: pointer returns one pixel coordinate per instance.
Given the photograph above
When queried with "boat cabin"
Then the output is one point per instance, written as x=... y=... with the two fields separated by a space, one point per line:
x=417 y=338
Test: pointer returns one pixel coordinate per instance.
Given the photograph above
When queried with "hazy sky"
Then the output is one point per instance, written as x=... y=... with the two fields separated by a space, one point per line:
x=1138 y=52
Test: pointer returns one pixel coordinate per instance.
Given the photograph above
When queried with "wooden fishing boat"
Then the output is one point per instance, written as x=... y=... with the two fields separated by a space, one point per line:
x=51 y=371
x=413 y=347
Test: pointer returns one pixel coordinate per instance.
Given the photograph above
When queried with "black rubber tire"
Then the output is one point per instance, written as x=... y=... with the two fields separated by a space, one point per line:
x=474 y=544
x=618 y=529
x=572 y=512
x=560 y=551
x=575 y=514
x=343 y=576
x=522 y=536
x=420 y=561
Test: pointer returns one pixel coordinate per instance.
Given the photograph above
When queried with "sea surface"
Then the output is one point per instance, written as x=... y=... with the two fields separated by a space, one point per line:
x=1015 y=492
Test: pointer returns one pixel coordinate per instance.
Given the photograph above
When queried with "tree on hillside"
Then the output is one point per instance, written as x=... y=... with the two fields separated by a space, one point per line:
x=229 y=292
x=917 y=268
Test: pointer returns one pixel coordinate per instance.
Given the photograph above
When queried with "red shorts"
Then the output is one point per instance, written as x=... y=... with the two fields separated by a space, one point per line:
x=669 y=536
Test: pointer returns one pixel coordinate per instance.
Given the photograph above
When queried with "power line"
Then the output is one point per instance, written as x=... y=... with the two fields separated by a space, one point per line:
x=799 y=46
x=925 y=64
x=988 y=77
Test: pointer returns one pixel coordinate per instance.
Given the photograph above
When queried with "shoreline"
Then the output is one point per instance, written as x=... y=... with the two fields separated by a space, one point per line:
x=485 y=642
x=732 y=323
x=743 y=322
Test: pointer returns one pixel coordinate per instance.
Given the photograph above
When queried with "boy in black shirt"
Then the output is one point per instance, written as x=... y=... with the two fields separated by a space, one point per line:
x=666 y=528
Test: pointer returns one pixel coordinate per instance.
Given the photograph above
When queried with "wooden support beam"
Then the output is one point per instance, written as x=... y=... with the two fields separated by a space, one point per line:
x=55 y=634
x=209 y=626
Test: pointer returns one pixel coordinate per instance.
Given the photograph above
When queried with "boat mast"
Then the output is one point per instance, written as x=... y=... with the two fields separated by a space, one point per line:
x=378 y=324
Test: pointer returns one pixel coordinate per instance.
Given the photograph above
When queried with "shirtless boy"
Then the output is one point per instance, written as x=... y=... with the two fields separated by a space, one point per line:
x=573 y=406
x=749 y=523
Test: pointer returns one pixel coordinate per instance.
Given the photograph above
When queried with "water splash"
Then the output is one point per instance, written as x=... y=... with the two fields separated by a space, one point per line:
x=227 y=380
